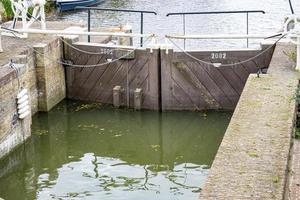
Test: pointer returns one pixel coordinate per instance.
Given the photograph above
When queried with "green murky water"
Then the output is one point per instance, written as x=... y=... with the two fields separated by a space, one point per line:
x=89 y=152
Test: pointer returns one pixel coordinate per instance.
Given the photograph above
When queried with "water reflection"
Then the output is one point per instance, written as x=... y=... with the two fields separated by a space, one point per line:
x=80 y=152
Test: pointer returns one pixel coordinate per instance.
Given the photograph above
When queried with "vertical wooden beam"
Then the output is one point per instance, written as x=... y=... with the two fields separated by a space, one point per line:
x=138 y=99
x=116 y=96
x=151 y=92
x=166 y=81
x=67 y=55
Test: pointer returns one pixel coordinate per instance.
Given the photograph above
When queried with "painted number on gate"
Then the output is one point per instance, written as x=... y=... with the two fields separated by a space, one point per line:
x=218 y=55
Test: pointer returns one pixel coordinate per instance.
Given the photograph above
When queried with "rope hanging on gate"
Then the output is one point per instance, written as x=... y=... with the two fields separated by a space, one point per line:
x=14 y=32
x=83 y=51
x=226 y=65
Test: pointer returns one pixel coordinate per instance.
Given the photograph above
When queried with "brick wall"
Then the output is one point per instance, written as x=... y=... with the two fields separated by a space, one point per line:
x=42 y=76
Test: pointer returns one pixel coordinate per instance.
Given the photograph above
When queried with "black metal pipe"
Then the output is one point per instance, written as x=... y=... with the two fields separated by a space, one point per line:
x=142 y=27
x=247 y=29
x=184 y=30
x=89 y=25
x=291 y=7
x=273 y=36
x=116 y=10
x=217 y=12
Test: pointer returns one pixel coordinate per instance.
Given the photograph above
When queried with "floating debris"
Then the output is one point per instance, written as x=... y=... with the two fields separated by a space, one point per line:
x=118 y=135
x=89 y=106
x=155 y=147
x=88 y=126
x=40 y=132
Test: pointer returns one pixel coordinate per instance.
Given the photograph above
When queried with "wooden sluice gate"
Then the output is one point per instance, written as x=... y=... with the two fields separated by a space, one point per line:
x=123 y=77
x=165 y=79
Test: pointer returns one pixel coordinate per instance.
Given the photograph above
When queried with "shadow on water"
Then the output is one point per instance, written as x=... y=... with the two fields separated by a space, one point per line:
x=82 y=151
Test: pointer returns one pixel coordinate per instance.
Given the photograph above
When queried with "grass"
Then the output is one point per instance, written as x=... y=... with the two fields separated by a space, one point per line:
x=291 y=55
x=8 y=12
x=297 y=134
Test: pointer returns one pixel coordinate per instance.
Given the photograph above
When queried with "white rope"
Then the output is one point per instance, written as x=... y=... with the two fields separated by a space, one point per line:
x=78 y=49
x=225 y=65
x=82 y=66
x=96 y=65
x=83 y=51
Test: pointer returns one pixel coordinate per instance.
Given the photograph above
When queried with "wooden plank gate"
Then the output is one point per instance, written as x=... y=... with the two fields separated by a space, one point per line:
x=167 y=81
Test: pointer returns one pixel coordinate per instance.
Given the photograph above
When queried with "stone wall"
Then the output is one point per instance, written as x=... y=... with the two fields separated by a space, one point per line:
x=252 y=161
x=38 y=72
x=50 y=75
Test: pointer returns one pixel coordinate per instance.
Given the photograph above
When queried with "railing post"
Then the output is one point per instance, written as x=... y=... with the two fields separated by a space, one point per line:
x=89 y=24
x=118 y=10
x=247 y=29
x=142 y=27
x=215 y=13
x=184 y=31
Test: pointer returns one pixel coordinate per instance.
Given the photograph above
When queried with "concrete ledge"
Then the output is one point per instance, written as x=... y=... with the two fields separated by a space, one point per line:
x=252 y=161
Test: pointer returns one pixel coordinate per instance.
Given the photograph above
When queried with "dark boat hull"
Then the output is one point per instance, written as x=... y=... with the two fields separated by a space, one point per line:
x=68 y=6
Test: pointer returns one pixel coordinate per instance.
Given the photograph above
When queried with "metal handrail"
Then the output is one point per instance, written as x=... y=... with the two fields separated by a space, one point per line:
x=291 y=7
x=216 y=13
x=117 y=10
x=221 y=36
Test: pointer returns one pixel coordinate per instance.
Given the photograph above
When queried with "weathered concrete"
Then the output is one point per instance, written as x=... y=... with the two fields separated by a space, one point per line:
x=138 y=99
x=50 y=75
x=12 y=130
x=38 y=73
x=252 y=161
x=116 y=96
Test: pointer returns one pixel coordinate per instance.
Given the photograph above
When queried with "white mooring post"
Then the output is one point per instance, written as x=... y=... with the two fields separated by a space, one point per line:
x=116 y=96
x=137 y=99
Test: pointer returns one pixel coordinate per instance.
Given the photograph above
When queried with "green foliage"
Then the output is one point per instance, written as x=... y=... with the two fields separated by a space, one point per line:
x=50 y=7
x=253 y=154
x=40 y=132
x=291 y=55
x=89 y=106
x=297 y=134
x=8 y=13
